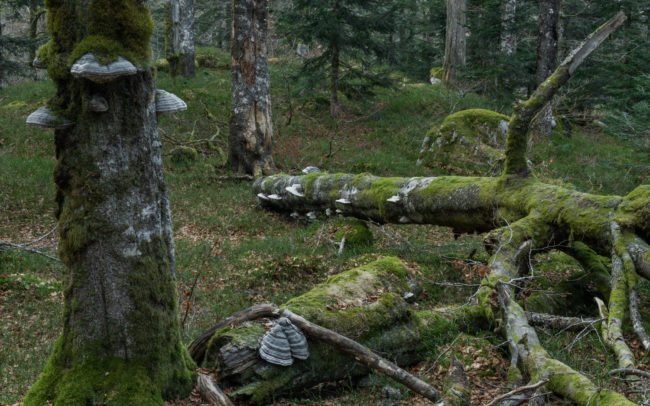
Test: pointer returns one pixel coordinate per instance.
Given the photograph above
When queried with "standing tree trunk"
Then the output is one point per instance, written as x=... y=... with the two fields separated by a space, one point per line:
x=455 y=40
x=36 y=11
x=121 y=339
x=334 y=83
x=508 y=29
x=251 y=126
x=547 y=49
x=179 y=38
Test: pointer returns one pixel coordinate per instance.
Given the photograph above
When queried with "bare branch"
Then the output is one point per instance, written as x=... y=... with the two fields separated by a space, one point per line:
x=516 y=391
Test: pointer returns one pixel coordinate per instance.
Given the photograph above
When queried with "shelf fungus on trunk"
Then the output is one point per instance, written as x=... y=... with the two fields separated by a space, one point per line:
x=168 y=102
x=283 y=343
x=88 y=67
x=36 y=63
x=98 y=104
x=46 y=118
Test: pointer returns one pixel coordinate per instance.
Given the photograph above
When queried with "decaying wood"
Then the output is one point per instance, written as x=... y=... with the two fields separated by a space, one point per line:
x=357 y=313
x=363 y=355
x=198 y=347
x=559 y=322
x=526 y=388
x=525 y=212
x=637 y=322
x=211 y=392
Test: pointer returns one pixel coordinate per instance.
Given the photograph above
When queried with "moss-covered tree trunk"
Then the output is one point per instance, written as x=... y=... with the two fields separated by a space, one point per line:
x=365 y=304
x=455 y=40
x=523 y=216
x=179 y=38
x=114 y=220
x=251 y=125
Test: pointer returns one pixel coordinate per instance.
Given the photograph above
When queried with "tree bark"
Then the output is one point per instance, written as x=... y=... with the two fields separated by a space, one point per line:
x=455 y=39
x=179 y=38
x=251 y=125
x=508 y=27
x=115 y=227
x=547 y=51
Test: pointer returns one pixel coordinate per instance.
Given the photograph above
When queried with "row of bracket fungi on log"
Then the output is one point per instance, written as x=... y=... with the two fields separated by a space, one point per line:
x=88 y=67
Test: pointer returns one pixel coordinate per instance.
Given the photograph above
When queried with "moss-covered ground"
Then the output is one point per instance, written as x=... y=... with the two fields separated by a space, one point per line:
x=231 y=254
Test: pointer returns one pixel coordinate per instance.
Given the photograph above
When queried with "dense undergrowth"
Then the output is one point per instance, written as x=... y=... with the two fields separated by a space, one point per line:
x=231 y=254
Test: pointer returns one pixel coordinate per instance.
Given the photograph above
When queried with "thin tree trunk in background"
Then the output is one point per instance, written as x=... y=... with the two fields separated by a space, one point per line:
x=251 y=125
x=508 y=29
x=334 y=83
x=186 y=38
x=179 y=37
x=334 y=74
x=547 y=51
x=455 y=39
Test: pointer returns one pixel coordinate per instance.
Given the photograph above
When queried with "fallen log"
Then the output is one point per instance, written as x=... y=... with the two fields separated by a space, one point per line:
x=366 y=306
x=524 y=216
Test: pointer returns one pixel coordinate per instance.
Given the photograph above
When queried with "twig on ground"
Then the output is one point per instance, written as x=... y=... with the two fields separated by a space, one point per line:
x=516 y=391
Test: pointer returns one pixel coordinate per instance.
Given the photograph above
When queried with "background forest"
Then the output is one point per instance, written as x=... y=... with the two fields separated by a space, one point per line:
x=231 y=254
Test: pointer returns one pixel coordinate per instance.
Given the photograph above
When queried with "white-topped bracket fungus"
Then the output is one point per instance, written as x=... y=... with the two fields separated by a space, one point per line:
x=275 y=347
x=88 y=67
x=46 y=118
x=36 y=63
x=295 y=190
x=310 y=169
x=168 y=102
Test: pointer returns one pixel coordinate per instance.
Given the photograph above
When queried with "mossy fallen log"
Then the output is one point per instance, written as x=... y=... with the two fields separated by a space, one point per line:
x=364 y=304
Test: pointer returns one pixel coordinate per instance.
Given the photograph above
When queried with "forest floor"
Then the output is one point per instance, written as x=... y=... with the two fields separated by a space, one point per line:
x=231 y=254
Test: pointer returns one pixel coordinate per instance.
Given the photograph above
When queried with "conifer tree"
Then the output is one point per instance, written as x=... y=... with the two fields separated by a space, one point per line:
x=349 y=32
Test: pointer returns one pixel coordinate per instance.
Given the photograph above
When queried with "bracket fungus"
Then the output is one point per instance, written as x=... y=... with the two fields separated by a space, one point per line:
x=36 y=63
x=98 y=104
x=168 y=102
x=88 y=67
x=343 y=201
x=310 y=169
x=46 y=118
x=283 y=343
x=394 y=199
x=295 y=190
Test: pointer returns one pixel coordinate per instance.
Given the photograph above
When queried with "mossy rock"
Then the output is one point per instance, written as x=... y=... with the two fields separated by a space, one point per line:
x=212 y=60
x=355 y=231
x=469 y=142
x=436 y=72
x=184 y=154
x=162 y=65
